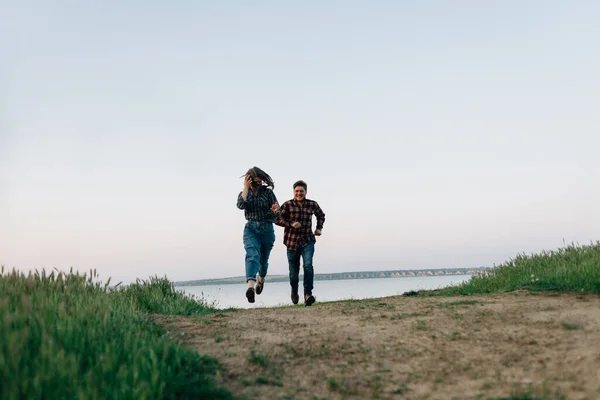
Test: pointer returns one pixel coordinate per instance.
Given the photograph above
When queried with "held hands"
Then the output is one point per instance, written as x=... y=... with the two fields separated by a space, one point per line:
x=317 y=232
x=275 y=208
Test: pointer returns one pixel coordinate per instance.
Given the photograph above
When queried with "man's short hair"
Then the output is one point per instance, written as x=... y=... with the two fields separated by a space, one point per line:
x=300 y=183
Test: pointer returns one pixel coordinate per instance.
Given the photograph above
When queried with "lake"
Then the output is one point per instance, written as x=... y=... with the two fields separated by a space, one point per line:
x=278 y=293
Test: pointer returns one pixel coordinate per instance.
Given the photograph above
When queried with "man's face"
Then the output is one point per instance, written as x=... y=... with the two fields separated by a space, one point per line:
x=299 y=193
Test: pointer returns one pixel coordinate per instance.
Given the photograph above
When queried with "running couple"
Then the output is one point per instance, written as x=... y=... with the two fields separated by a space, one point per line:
x=262 y=210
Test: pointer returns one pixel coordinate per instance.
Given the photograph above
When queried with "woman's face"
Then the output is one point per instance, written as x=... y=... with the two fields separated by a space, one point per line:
x=256 y=182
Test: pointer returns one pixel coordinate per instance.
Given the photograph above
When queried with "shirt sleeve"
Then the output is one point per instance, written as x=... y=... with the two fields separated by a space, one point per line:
x=241 y=204
x=284 y=216
x=320 y=216
x=250 y=198
x=274 y=200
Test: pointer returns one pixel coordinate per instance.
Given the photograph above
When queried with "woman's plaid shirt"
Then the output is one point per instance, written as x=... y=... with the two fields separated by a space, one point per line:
x=292 y=212
x=257 y=206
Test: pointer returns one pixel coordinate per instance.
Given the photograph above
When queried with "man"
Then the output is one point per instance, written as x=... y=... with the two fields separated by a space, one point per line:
x=296 y=218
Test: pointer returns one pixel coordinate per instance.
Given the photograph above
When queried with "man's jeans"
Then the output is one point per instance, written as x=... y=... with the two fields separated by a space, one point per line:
x=293 y=257
x=259 y=238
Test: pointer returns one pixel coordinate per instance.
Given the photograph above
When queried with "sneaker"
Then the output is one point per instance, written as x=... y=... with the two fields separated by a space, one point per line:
x=259 y=286
x=309 y=299
x=250 y=295
x=295 y=297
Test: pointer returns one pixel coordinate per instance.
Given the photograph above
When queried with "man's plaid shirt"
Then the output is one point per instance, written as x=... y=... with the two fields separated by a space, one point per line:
x=257 y=206
x=292 y=212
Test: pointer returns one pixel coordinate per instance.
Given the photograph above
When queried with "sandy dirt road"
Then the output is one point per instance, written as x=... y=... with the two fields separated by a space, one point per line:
x=483 y=347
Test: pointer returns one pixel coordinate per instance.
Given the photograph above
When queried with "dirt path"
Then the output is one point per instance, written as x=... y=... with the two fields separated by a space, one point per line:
x=407 y=347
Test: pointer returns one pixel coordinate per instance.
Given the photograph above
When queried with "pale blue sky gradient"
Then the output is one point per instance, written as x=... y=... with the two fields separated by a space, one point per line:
x=433 y=134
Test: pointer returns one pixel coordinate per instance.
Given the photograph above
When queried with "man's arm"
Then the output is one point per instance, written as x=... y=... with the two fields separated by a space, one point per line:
x=284 y=215
x=320 y=218
x=275 y=209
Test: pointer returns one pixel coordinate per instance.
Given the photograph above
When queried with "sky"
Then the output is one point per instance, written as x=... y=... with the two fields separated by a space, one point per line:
x=433 y=134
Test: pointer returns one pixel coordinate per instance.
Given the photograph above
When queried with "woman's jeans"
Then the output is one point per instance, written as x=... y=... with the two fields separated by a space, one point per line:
x=259 y=238
x=293 y=257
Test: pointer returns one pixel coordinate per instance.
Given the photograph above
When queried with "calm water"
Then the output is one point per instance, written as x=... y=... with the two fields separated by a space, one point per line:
x=278 y=293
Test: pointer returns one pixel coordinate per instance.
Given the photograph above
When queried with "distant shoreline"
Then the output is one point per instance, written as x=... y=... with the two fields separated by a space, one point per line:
x=345 y=275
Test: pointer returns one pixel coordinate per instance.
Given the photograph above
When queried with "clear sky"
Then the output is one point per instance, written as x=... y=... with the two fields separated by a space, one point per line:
x=432 y=133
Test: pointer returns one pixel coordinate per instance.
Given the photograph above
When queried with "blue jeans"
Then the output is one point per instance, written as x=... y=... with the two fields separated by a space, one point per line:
x=293 y=257
x=259 y=238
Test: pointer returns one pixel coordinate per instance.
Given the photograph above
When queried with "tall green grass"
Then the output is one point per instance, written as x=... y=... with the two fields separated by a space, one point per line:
x=67 y=336
x=158 y=295
x=574 y=268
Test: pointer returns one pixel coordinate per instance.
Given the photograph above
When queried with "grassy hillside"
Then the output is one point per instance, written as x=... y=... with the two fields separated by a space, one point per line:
x=575 y=268
x=66 y=336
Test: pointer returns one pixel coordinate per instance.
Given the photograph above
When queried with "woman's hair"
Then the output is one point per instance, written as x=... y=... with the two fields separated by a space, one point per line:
x=256 y=172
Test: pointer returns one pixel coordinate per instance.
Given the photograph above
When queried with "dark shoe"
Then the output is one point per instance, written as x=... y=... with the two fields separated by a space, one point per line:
x=295 y=297
x=259 y=286
x=250 y=295
x=309 y=299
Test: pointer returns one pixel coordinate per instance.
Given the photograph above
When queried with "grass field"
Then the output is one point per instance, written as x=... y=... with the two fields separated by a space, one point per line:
x=67 y=336
x=71 y=336
x=573 y=268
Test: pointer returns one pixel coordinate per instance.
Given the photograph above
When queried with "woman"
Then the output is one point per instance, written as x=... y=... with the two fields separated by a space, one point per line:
x=260 y=209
